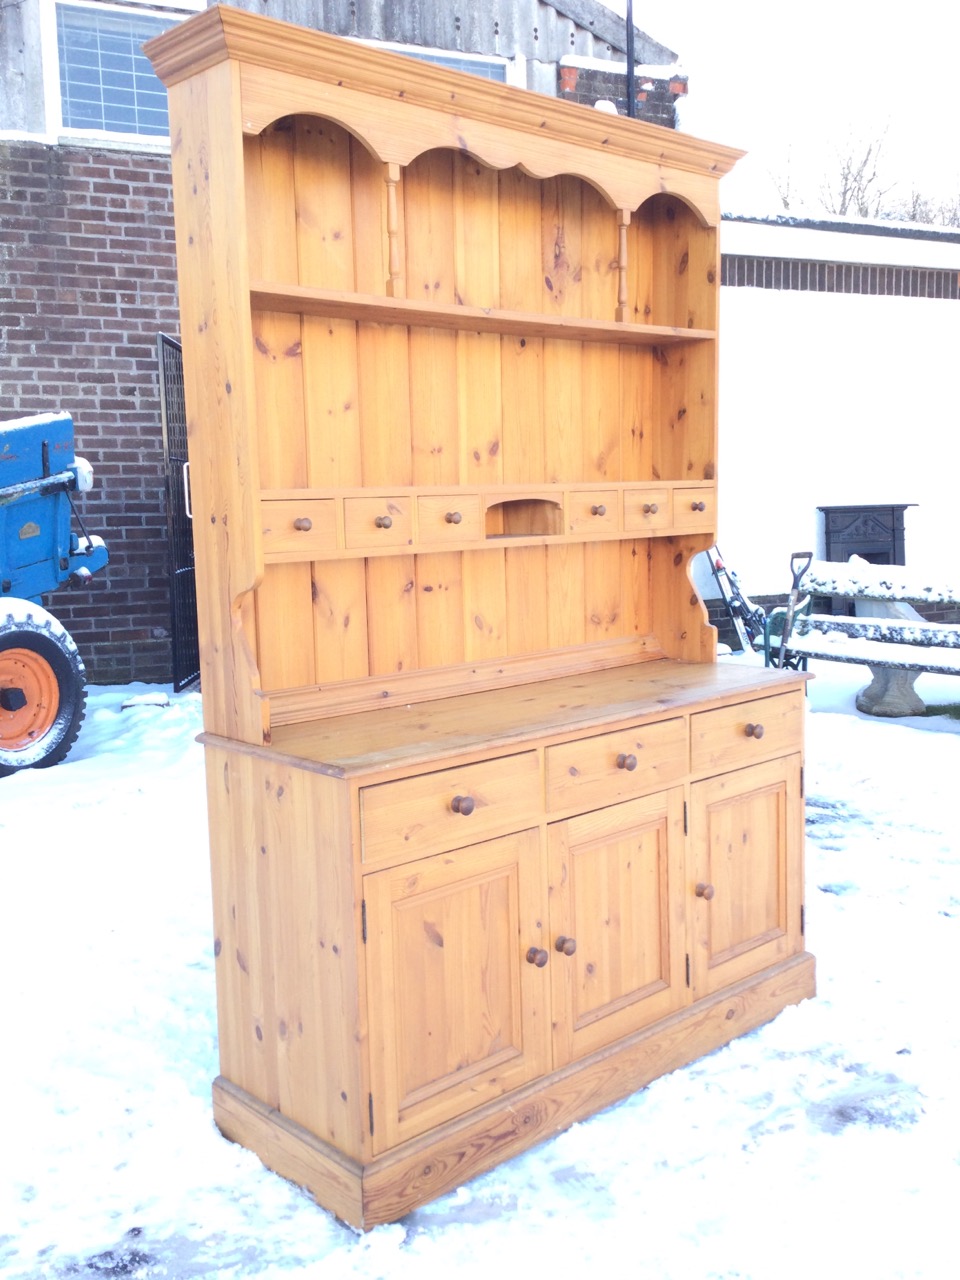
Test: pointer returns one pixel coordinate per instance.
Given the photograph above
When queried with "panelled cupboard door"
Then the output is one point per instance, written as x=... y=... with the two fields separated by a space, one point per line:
x=617 y=932
x=458 y=1012
x=745 y=879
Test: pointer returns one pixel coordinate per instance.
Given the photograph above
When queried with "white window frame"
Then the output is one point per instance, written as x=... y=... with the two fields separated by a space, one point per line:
x=515 y=69
x=178 y=10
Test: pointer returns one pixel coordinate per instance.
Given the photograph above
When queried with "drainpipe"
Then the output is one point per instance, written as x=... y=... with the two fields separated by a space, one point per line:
x=631 y=88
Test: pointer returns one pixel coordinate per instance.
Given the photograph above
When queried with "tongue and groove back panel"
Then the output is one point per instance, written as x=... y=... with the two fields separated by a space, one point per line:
x=458 y=345
x=352 y=405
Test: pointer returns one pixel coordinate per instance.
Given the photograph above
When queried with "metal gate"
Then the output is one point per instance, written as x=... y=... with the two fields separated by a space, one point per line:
x=183 y=583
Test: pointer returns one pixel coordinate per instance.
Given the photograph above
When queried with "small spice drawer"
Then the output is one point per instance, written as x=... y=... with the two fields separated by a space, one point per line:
x=372 y=523
x=594 y=512
x=616 y=766
x=750 y=731
x=695 y=508
x=298 y=528
x=647 y=508
x=450 y=808
x=449 y=518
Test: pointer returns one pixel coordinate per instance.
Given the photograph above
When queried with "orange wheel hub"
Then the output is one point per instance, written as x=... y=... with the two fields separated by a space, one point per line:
x=29 y=698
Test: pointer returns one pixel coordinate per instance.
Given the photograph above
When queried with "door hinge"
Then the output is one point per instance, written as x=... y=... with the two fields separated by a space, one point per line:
x=802 y=789
x=363 y=918
x=370 y=1106
x=803 y=920
x=688 y=967
x=685 y=830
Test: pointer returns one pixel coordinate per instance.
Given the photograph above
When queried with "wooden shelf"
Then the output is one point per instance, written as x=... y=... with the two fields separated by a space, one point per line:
x=337 y=305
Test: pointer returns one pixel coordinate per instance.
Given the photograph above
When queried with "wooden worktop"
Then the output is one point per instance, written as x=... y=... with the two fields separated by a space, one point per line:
x=494 y=719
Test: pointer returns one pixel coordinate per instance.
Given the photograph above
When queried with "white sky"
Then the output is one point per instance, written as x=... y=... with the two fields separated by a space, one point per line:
x=793 y=83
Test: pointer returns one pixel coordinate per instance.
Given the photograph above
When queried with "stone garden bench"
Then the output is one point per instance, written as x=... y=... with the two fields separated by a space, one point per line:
x=887 y=634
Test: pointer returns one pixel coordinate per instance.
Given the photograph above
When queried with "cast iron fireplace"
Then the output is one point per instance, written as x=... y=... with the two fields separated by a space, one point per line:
x=875 y=533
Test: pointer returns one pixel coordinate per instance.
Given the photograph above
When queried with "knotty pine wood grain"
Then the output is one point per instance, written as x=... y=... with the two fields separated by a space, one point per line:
x=383 y=1190
x=628 y=967
x=208 y=182
x=500 y=718
x=326 y=249
x=753 y=920
x=287 y=929
x=428 y=922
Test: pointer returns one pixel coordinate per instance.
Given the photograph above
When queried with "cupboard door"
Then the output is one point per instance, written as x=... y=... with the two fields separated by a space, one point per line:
x=457 y=1010
x=617 y=936
x=745 y=881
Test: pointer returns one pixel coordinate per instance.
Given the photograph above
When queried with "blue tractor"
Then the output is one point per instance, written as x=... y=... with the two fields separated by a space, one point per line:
x=42 y=677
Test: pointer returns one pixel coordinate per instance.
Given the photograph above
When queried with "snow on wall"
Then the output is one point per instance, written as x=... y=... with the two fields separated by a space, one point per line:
x=833 y=399
x=858 y=577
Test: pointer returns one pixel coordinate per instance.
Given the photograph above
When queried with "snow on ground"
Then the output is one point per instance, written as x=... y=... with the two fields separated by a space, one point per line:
x=824 y=1144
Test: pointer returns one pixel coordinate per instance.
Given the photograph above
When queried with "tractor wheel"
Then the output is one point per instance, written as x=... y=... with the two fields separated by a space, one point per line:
x=42 y=688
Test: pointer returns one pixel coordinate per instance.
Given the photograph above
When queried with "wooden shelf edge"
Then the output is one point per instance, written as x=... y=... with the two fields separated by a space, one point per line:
x=383 y=1190
x=296 y=706
x=334 y=304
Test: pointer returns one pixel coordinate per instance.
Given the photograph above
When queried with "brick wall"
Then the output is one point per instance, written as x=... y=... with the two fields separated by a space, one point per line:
x=87 y=280
x=656 y=96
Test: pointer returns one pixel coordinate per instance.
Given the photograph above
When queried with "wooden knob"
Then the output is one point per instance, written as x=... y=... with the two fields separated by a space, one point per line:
x=453 y=517
x=567 y=945
x=754 y=730
x=303 y=524
x=598 y=511
x=705 y=891
x=537 y=956
x=626 y=762
x=698 y=506
x=463 y=804
x=383 y=522
x=650 y=508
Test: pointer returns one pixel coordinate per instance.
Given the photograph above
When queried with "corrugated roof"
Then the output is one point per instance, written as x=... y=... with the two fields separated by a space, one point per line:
x=544 y=30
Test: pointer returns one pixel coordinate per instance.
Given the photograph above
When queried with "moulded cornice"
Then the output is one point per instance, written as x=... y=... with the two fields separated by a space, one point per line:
x=400 y=107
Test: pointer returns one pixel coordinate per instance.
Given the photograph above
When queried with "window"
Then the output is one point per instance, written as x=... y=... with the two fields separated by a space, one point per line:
x=503 y=70
x=486 y=67
x=106 y=81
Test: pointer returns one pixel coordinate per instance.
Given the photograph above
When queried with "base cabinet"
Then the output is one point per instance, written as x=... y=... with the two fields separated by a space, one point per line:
x=409 y=1004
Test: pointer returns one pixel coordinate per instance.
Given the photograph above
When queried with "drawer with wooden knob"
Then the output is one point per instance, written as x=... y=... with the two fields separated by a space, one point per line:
x=298 y=528
x=448 y=517
x=615 y=766
x=647 y=508
x=377 y=524
x=595 y=512
x=448 y=809
x=760 y=729
x=695 y=507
